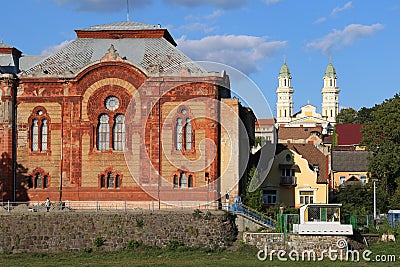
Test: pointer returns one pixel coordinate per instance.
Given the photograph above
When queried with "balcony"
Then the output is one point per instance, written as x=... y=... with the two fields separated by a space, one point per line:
x=288 y=180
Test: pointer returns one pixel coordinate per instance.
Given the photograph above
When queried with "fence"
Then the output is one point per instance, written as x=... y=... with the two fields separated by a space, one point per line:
x=105 y=206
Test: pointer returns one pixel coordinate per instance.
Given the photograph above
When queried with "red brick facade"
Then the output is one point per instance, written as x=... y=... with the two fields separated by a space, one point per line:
x=72 y=144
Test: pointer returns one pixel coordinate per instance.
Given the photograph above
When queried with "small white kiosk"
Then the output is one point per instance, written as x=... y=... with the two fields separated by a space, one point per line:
x=321 y=219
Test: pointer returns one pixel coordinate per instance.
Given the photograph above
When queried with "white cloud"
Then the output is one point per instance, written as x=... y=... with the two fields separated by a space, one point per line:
x=53 y=49
x=239 y=51
x=103 y=5
x=271 y=2
x=343 y=8
x=320 y=20
x=194 y=27
x=224 y=4
x=338 y=39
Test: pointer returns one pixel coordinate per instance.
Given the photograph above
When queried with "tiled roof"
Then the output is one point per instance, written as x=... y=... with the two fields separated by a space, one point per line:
x=314 y=157
x=118 y=26
x=154 y=55
x=296 y=133
x=349 y=134
x=350 y=161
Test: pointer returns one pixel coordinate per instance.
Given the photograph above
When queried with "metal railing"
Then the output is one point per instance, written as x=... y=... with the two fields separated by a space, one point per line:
x=255 y=215
x=106 y=206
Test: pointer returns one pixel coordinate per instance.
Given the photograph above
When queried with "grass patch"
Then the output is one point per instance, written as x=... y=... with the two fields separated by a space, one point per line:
x=180 y=256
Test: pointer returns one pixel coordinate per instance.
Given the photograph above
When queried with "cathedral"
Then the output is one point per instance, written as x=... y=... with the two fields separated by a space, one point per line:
x=118 y=114
x=307 y=116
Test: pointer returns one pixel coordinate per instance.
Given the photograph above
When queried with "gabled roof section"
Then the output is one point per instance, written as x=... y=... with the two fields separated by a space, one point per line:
x=350 y=161
x=137 y=43
x=314 y=157
x=348 y=134
x=126 y=29
x=298 y=133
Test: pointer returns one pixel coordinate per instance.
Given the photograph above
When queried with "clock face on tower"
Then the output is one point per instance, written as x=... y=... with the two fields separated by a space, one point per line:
x=111 y=103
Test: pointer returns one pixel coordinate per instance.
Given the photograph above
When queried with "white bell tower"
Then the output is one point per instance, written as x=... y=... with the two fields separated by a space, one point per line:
x=284 y=92
x=330 y=94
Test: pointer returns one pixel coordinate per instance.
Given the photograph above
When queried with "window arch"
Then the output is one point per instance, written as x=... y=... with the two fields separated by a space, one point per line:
x=39 y=130
x=110 y=179
x=179 y=134
x=183 y=179
x=183 y=131
x=39 y=179
x=103 y=141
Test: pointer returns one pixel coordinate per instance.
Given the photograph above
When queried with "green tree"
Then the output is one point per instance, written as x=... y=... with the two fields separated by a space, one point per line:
x=381 y=136
x=253 y=199
x=356 y=199
x=347 y=115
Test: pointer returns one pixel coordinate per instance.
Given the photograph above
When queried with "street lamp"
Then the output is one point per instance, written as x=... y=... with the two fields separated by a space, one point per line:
x=375 y=217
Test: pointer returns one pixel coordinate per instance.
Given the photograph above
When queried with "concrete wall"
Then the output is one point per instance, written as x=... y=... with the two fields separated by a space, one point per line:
x=57 y=231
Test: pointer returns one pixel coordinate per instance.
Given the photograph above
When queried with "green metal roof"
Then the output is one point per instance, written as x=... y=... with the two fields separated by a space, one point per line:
x=284 y=72
x=330 y=71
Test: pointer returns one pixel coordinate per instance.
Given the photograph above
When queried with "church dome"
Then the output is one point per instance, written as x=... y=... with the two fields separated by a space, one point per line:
x=330 y=71
x=284 y=72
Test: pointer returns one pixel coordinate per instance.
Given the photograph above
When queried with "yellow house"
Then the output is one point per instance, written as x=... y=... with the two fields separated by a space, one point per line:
x=298 y=176
x=349 y=167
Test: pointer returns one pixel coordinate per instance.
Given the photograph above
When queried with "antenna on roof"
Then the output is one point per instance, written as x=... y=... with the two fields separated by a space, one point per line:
x=330 y=58
x=127 y=10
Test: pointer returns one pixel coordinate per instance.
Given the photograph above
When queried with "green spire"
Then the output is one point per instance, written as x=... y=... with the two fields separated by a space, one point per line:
x=284 y=72
x=330 y=70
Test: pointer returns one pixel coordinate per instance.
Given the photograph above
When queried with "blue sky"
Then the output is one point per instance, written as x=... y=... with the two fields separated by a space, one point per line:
x=252 y=36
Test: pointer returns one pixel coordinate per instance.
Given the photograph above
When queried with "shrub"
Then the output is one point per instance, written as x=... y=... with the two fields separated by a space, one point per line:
x=99 y=241
x=132 y=244
x=139 y=222
x=174 y=244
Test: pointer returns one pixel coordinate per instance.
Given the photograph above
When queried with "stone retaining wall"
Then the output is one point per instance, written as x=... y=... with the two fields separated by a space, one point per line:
x=57 y=231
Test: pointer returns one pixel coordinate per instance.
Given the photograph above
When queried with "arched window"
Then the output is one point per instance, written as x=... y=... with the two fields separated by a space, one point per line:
x=102 y=181
x=119 y=132
x=183 y=133
x=117 y=181
x=176 y=182
x=45 y=181
x=35 y=135
x=103 y=141
x=183 y=180
x=38 y=180
x=190 y=181
x=110 y=180
x=39 y=130
x=44 y=135
x=188 y=135
x=179 y=134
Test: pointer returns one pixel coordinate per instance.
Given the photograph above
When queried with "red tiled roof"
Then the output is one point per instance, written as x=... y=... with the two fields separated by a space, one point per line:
x=295 y=133
x=265 y=122
x=348 y=134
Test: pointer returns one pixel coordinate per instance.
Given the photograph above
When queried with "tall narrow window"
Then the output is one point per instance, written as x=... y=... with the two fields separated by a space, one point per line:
x=39 y=130
x=188 y=135
x=119 y=132
x=110 y=180
x=176 y=182
x=102 y=181
x=45 y=181
x=117 y=181
x=103 y=133
x=190 y=181
x=38 y=180
x=35 y=135
x=183 y=180
x=44 y=131
x=179 y=134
